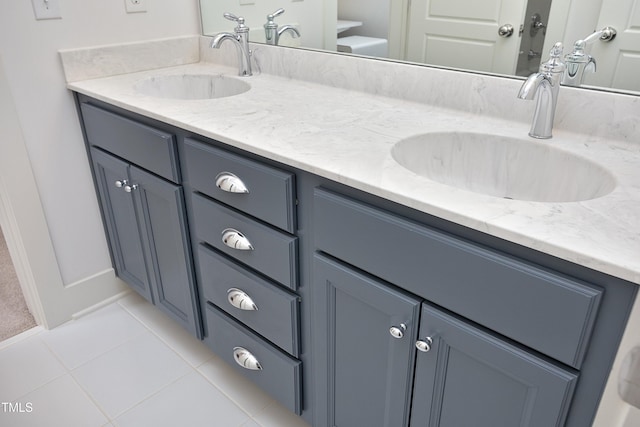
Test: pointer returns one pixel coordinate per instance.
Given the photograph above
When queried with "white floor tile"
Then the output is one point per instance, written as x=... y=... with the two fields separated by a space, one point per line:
x=26 y=366
x=242 y=391
x=252 y=423
x=191 y=401
x=126 y=375
x=60 y=402
x=81 y=340
x=175 y=336
x=276 y=415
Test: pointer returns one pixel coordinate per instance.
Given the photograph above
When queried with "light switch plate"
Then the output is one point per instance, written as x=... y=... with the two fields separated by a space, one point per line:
x=49 y=9
x=135 y=6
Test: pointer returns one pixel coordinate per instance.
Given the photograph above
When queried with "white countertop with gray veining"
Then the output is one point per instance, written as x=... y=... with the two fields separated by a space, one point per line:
x=347 y=135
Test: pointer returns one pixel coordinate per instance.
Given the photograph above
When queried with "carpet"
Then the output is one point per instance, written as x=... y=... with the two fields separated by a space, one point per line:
x=14 y=313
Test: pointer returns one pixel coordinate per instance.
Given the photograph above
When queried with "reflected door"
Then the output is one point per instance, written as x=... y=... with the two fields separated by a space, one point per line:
x=618 y=61
x=463 y=34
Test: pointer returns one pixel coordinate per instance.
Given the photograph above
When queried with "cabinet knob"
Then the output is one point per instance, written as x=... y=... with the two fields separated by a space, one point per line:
x=236 y=240
x=424 y=345
x=244 y=358
x=398 y=331
x=130 y=188
x=239 y=299
x=120 y=183
x=226 y=181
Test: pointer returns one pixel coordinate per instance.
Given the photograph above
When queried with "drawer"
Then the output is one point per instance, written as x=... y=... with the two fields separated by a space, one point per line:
x=270 y=192
x=272 y=312
x=274 y=254
x=549 y=312
x=280 y=374
x=149 y=148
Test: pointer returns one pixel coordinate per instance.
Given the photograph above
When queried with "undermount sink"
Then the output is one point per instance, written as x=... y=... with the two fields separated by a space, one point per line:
x=504 y=167
x=192 y=86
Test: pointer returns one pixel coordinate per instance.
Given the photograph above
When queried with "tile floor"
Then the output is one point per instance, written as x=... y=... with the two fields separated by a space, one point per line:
x=126 y=364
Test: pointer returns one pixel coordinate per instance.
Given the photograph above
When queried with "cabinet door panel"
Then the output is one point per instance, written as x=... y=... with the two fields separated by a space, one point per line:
x=166 y=241
x=121 y=222
x=365 y=374
x=470 y=377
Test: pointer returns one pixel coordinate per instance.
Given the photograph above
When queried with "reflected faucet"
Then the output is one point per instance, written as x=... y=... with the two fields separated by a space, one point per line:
x=546 y=84
x=272 y=32
x=578 y=62
x=240 y=38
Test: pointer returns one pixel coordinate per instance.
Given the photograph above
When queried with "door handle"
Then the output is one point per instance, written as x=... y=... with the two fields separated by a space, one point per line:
x=505 y=30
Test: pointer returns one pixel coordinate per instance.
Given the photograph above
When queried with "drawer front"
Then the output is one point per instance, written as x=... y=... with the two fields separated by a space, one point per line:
x=280 y=375
x=270 y=192
x=149 y=148
x=274 y=254
x=271 y=311
x=548 y=312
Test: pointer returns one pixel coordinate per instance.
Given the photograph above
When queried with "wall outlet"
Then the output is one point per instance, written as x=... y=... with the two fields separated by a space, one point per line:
x=135 y=6
x=46 y=9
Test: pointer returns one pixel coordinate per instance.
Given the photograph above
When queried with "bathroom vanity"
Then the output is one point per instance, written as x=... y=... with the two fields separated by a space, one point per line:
x=277 y=225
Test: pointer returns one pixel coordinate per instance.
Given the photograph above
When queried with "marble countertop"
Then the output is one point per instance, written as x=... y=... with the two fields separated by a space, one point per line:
x=347 y=136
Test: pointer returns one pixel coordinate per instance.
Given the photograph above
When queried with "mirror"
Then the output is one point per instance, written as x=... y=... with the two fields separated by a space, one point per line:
x=504 y=37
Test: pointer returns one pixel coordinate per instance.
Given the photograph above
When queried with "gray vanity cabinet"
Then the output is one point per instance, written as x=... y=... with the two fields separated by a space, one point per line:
x=144 y=211
x=467 y=377
x=121 y=222
x=366 y=348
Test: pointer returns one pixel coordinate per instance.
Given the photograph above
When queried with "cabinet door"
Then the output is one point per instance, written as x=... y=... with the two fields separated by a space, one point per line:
x=165 y=239
x=471 y=378
x=121 y=222
x=364 y=374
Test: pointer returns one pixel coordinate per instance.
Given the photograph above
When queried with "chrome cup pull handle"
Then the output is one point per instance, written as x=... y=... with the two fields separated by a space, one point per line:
x=226 y=181
x=244 y=358
x=240 y=300
x=236 y=240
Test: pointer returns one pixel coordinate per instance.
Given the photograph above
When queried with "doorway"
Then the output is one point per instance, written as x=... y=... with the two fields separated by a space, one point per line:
x=15 y=316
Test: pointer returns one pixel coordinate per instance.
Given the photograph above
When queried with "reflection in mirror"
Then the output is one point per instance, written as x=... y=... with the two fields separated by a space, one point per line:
x=490 y=36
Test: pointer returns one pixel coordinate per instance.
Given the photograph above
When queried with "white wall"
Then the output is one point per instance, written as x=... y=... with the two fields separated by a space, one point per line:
x=47 y=116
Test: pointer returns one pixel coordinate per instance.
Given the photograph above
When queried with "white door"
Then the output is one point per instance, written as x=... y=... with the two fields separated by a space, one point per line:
x=618 y=61
x=464 y=34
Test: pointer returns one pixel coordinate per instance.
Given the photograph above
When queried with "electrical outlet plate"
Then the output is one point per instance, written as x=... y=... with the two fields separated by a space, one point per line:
x=135 y=6
x=46 y=9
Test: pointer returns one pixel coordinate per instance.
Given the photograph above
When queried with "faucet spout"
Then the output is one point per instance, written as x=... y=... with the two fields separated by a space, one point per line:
x=240 y=39
x=545 y=86
x=547 y=94
x=290 y=28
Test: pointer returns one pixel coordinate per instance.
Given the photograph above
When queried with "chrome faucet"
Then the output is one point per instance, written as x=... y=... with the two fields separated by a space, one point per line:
x=240 y=38
x=272 y=32
x=578 y=62
x=546 y=84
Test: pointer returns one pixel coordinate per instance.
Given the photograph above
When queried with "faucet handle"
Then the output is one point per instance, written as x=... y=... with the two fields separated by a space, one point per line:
x=555 y=63
x=241 y=28
x=272 y=16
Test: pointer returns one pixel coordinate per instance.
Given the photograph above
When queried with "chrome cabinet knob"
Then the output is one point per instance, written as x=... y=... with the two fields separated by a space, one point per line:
x=506 y=30
x=239 y=299
x=398 y=331
x=120 y=183
x=236 y=240
x=226 y=181
x=244 y=358
x=424 y=345
x=130 y=188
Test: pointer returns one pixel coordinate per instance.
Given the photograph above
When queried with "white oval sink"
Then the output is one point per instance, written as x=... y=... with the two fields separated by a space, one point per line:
x=504 y=167
x=192 y=86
